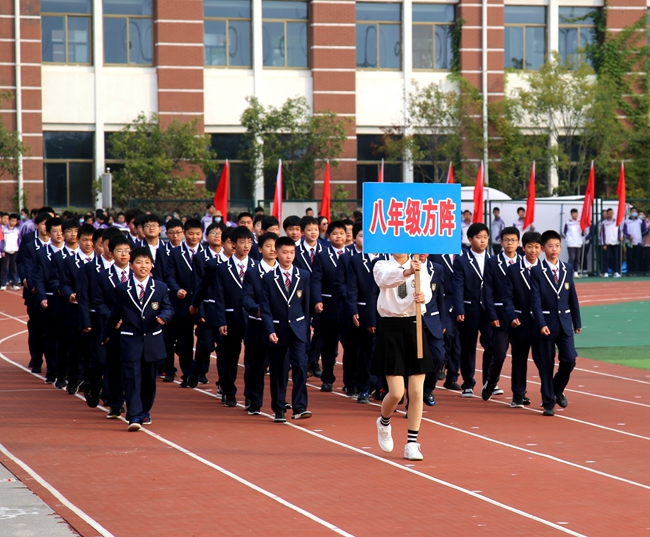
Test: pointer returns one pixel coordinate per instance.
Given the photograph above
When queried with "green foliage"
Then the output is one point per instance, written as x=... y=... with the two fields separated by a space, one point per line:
x=455 y=45
x=339 y=207
x=302 y=140
x=11 y=148
x=159 y=163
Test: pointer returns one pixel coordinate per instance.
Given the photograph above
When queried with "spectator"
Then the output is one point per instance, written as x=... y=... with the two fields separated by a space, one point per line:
x=497 y=227
x=633 y=230
x=574 y=240
x=309 y=211
x=610 y=238
x=464 y=225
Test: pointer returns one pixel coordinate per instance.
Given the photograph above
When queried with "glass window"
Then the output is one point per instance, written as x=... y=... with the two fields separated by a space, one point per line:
x=227 y=33
x=379 y=29
x=284 y=30
x=68 y=145
x=432 y=36
x=525 y=37
x=576 y=31
x=66 y=34
x=128 y=32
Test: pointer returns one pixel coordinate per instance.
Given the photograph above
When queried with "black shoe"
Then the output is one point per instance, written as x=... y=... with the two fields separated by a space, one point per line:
x=230 y=401
x=287 y=406
x=114 y=414
x=36 y=369
x=168 y=378
x=184 y=383
x=203 y=379
x=252 y=411
x=192 y=381
x=525 y=400
x=326 y=387
x=549 y=411
x=92 y=399
x=363 y=398
x=561 y=400
x=315 y=370
x=279 y=417
x=50 y=380
x=517 y=401
x=429 y=399
x=73 y=387
x=487 y=391
x=440 y=375
x=301 y=414
x=449 y=385
x=351 y=392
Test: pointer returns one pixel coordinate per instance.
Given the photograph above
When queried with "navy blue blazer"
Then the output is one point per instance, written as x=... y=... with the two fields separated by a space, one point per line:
x=286 y=312
x=446 y=261
x=64 y=261
x=303 y=255
x=517 y=300
x=328 y=285
x=140 y=333
x=251 y=301
x=86 y=281
x=555 y=306
x=206 y=291
x=435 y=316
x=198 y=268
x=228 y=299
x=29 y=245
x=495 y=289
x=468 y=278
x=162 y=256
x=361 y=290
x=44 y=277
x=179 y=274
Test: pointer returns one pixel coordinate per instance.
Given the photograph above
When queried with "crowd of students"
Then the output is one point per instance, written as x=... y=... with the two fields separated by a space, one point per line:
x=111 y=307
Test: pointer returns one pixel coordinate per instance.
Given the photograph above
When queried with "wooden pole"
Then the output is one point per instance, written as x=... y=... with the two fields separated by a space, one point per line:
x=418 y=317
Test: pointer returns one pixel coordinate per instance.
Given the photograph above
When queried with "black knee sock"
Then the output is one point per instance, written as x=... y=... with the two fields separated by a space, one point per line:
x=385 y=421
x=412 y=436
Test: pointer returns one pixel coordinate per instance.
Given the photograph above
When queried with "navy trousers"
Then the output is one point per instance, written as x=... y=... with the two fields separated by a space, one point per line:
x=544 y=358
x=139 y=383
x=468 y=340
x=297 y=356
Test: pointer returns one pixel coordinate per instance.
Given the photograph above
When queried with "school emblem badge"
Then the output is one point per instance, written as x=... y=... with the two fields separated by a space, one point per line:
x=566 y=286
x=299 y=293
x=155 y=306
x=433 y=287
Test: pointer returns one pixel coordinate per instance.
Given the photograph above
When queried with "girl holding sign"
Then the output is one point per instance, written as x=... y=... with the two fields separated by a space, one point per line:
x=396 y=346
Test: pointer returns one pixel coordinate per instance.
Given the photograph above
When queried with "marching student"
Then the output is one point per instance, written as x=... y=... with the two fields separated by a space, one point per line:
x=496 y=305
x=469 y=306
x=519 y=315
x=129 y=218
x=395 y=353
x=270 y=224
x=179 y=277
x=246 y=219
x=552 y=290
x=140 y=309
x=434 y=326
x=292 y=228
x=328 y=298
x=174 y=232
x=284 y=309
x=349 y=236
x=255 y=338
x=159 y=252
x=229 y=309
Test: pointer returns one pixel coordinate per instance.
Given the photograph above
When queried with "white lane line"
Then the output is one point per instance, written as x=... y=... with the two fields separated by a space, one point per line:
x=12 y=317
x=54 y=492
x=610 y=375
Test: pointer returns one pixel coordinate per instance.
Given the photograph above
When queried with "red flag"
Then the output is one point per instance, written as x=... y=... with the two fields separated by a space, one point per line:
x=221 y=193
x=450 y=174
x=478 y=196
x=585 y=218
x=381 y=172
x=530 y=202
x=277 y=199
x=620 y=190
x=325 y=205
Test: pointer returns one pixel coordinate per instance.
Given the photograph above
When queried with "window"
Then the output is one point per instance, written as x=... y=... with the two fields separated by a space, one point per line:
x=369 y=163
x=228 y=146
x=576 y=32
x=66 y=31
x=379 y=28
x=68 y=169
x=227 y=33
x=432 y=36
x=525 y=37
x=284 y=28
x=128 y=36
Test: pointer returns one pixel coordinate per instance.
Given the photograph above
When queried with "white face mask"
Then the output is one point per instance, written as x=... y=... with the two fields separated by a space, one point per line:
x=217 y=219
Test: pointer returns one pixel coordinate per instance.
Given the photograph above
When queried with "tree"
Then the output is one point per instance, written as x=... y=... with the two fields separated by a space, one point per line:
x=11 y=148
x=304 y=141
x=159 y=163
x=440 y=127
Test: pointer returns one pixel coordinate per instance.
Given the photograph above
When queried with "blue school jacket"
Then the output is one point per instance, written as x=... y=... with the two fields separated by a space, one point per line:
x=327 y=285
x=495 y=289
x=517 y=300
x=361 y=290
x=435 y=315
x=468 y=281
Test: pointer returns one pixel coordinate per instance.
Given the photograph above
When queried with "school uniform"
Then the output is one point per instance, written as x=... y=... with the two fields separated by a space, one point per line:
x=434 y=322
x=305 y=258
x=554 y=303
x=160 y=253
x=469 y=301
x=328 y=288
x=495 y=302
x=284 y=307
x=306 y=255
x=141 y=341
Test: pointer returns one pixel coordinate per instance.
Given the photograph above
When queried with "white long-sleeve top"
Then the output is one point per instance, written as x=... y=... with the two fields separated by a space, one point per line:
x=388 y=276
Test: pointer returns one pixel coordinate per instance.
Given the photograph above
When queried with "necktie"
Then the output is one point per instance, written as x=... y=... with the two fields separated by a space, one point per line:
x=311 y=256
x=401 y=290
x=555 y=276
x=510 y=261
x=287 y=281
x=86 y=260
x=241 y=271
x=123 y=277
x=339 y=252
x=191 y=254
x=141 y=295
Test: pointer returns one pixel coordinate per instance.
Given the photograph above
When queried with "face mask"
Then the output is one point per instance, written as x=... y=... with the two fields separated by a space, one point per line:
x=22 y=217
x=217 y=219
x=633 y=215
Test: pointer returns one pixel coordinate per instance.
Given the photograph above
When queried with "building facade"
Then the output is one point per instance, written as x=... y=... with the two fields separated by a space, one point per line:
x=83 y=69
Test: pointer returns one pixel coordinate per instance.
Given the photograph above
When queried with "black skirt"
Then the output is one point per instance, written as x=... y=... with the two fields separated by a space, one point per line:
x=396 y=349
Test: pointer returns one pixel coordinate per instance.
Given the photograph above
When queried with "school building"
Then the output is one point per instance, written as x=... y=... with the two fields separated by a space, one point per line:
x=83 y=69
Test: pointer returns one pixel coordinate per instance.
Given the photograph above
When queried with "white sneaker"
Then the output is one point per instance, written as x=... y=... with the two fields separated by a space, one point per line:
x=3 y=288
x=412 y=452
x=467 y=392
x=577 y=275
x=606 y=275
x=384 y=436
x=497 y=391
x=16 y=287
x=617 y=275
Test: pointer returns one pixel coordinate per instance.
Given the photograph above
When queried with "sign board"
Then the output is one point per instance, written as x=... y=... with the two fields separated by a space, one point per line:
x=409 y=218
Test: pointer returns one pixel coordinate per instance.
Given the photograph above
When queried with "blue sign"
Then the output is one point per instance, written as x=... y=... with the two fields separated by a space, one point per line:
x=408 y=218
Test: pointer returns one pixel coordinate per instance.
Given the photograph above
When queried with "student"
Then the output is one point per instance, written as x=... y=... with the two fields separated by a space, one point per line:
x=180 y=280
x=349 y=236
x=151 y=230
x=610 y=238
x=574 y=239
x=229 y=308
x=246 y=219
x=552 y=290
x=464 y=226
x=328 y=298
x=309 y=245
x=292 y=228
x=129 y=217
x=284 y=309
x=174 y=232
x=496 y=305
x=255 y=340
x=8 y=252
x=141 y=308
x=395 y=353
x=469 y=306
x=270 y=224
x=497 y=227
x=633 y=230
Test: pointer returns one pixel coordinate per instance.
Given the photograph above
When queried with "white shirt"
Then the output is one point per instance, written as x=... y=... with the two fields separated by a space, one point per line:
x=106 y=262
x=464 y=226
x=221 y=255
x=83 y=257
x=266 y=267
x=153 y=248
x=71 y=252
x=480 y=260
x=388 y=276
x=508 y=259
x=529 y=265
x=54 y=248
x=143 y=283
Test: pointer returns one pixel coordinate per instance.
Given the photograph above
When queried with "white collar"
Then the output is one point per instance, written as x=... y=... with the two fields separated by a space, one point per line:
x=241 y=262
x=54 y=248
x=71 y=251
x=83 y=256
x=481 y=256
x=154 y=246
x=106 y=262
x=222 y=256
x=289 y=270
x=357 y=250
x=145 y=282
x=266 y=267
x=529 y=265
x=508 y=259
x=553 y=267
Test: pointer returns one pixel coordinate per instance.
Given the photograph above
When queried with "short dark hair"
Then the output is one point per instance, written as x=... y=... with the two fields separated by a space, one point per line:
x=307 y=221
x=140 y=251
x=46 y=209
x=148 y=219
x=289 y=221
x=531 y=237
x=550 y=234
x=357 y=215
x=207 y=206
x=97 y=234
x=476 y=228
x=347 y=222
x=521 y=209
x=258 y=218
x=172 y=223
x=610 y=209
x=86 y=229
x=284 y=241
x=138 y=220
x=269 y=221
x=574 y=210
x=42 y=217
x=309 y=209
x=267 y=237
x=111 y=233
x=240 y=232
x=496 y=209
x=131 y=214
x=244 y=214
x=192 y=223
x=215 y=225
x=259 y=209
x=337 y=224
x=356 y=228
x=467 y=211
x=116 y=241
x=51 y=222
x=226 y=232
x=14 y=215
x=510 y=230
x=70 y=224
